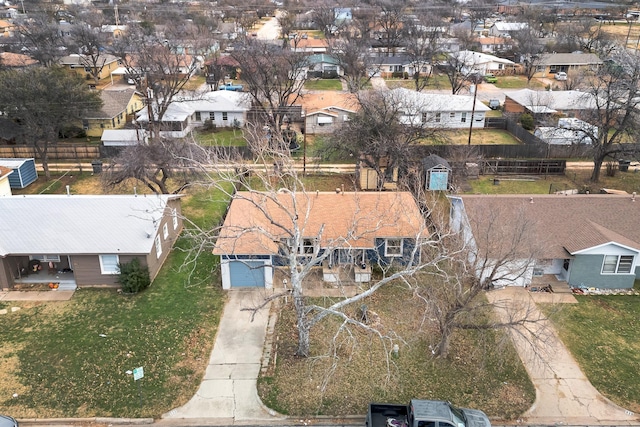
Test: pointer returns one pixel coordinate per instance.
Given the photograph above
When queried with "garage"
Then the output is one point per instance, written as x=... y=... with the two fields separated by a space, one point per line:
x=246 y=274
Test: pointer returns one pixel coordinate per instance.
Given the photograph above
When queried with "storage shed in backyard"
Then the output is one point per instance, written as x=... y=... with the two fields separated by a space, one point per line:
x=24 y=171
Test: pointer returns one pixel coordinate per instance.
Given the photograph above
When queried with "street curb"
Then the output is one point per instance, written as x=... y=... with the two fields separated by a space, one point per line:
x=86 y=421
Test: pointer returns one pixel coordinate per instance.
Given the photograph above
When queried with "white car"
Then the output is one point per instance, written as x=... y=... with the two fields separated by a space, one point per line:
x=561 y=76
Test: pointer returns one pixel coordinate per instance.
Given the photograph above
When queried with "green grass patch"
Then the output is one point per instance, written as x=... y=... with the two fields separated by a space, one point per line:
x=221 y=138
x=69 y=359
x=345 y=373
x=518 y=82
x=516 y=185
x=436 y=82
x=479 y=137
x=603 y=334
x=323 y=84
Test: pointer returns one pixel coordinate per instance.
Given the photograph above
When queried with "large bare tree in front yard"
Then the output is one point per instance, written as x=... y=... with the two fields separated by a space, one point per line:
x=492 y=245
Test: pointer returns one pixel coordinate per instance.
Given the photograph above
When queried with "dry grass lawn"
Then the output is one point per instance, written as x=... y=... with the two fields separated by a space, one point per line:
x=347 y=371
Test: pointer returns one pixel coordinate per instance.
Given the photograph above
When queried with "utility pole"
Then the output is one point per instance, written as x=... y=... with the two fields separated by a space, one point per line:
x=473 y=110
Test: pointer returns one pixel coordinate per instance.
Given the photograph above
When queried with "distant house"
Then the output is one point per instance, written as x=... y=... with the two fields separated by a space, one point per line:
x=222 y=108
x=323 y=66
x=571 y=103
x=391 y=66
x=353 y=231
x=16 y=60
x=326 y=111
x=585 y=240
x=114 y=31
x=493 y=44
x=7 y=28
x=118 y=107
x=85 y=66
x=81 y=240
x=303 y=43
x=506 y=29
x=477 y=62
x=568 y=131
x=433 y=110
x=551 y=63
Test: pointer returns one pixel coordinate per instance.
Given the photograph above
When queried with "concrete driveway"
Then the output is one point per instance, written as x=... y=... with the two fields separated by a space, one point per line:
x=564 y=395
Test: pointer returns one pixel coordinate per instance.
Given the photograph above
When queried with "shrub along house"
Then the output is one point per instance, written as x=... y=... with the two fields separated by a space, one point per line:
x=357 y=229
x=80 y=240
x=583 y=240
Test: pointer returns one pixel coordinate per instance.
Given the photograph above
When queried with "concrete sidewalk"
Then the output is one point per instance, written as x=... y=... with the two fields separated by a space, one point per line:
x=228 y=390
x=564 y=395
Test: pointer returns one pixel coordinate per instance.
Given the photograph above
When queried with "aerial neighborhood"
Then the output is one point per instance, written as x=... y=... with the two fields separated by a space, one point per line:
x=269 y=211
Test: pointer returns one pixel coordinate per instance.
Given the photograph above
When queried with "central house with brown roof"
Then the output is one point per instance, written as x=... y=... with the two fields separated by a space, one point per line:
x=343 y=233
x=585 y=240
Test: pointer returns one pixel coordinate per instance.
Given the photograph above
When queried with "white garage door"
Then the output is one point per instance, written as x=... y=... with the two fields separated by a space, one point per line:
x=246 y=274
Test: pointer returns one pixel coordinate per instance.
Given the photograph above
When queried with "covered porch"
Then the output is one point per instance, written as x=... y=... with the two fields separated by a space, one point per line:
x=41 y=269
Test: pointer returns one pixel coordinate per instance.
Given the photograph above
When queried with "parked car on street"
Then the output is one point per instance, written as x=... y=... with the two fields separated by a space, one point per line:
x=561 y=76
x=424 y=413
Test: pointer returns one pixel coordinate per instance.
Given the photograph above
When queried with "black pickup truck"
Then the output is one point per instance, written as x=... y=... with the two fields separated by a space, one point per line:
x=424 y=413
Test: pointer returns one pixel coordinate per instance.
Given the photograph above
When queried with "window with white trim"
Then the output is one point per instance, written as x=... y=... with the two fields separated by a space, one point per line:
x=438 y=117
x=165 y=231
x=393 y=247
x=174 y=217
x=212 y=115
x=225 y=116
x=109 y=264
x=617 y=264
x=46 y=258
x=158 y=247
x=463 y=117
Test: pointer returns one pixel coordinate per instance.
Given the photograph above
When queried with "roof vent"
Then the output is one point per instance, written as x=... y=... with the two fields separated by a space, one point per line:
x=337 y=190
x=530 y=199
x=633 y=196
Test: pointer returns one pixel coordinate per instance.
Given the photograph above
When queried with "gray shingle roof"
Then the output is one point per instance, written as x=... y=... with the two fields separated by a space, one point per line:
x=114 y=102
x=60 y=224
x=570 y=59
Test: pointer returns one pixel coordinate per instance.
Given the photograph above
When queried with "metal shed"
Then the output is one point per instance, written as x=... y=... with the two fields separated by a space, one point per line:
x=437 y=172
x=24 y=171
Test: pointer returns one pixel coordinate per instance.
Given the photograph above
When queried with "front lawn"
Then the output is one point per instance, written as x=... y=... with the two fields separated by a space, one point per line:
x=346 y=372
x=323 y=84
x=603 y=334
x=518 y=82
x=69 y=359
x=480 y=137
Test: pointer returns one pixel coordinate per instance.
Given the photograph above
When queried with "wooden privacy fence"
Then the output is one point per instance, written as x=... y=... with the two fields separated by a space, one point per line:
x=54 y=152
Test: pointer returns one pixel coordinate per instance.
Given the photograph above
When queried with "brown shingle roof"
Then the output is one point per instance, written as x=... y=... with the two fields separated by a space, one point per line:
x=4 y=171
x=9 y=59
x=565 y=223
x=256 y=222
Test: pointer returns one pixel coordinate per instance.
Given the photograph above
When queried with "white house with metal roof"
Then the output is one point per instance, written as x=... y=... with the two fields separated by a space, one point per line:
x=222 y=108
x=78 y=240
x=433 y=110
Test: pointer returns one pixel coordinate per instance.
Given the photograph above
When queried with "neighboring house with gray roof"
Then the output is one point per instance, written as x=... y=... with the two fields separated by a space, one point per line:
x=572 y=103
x=506 y=29
x=80 y=240
x=435 y=110
x=584 y=240
x=118 y=108
x=551 y=63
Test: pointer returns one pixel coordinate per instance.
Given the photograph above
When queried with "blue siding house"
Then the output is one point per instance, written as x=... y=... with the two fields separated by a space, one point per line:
x=342 y=234
x=587 y=241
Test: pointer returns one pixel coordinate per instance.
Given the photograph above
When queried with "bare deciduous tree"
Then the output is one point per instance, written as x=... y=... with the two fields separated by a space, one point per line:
x=91 y=44
x=41 y=38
